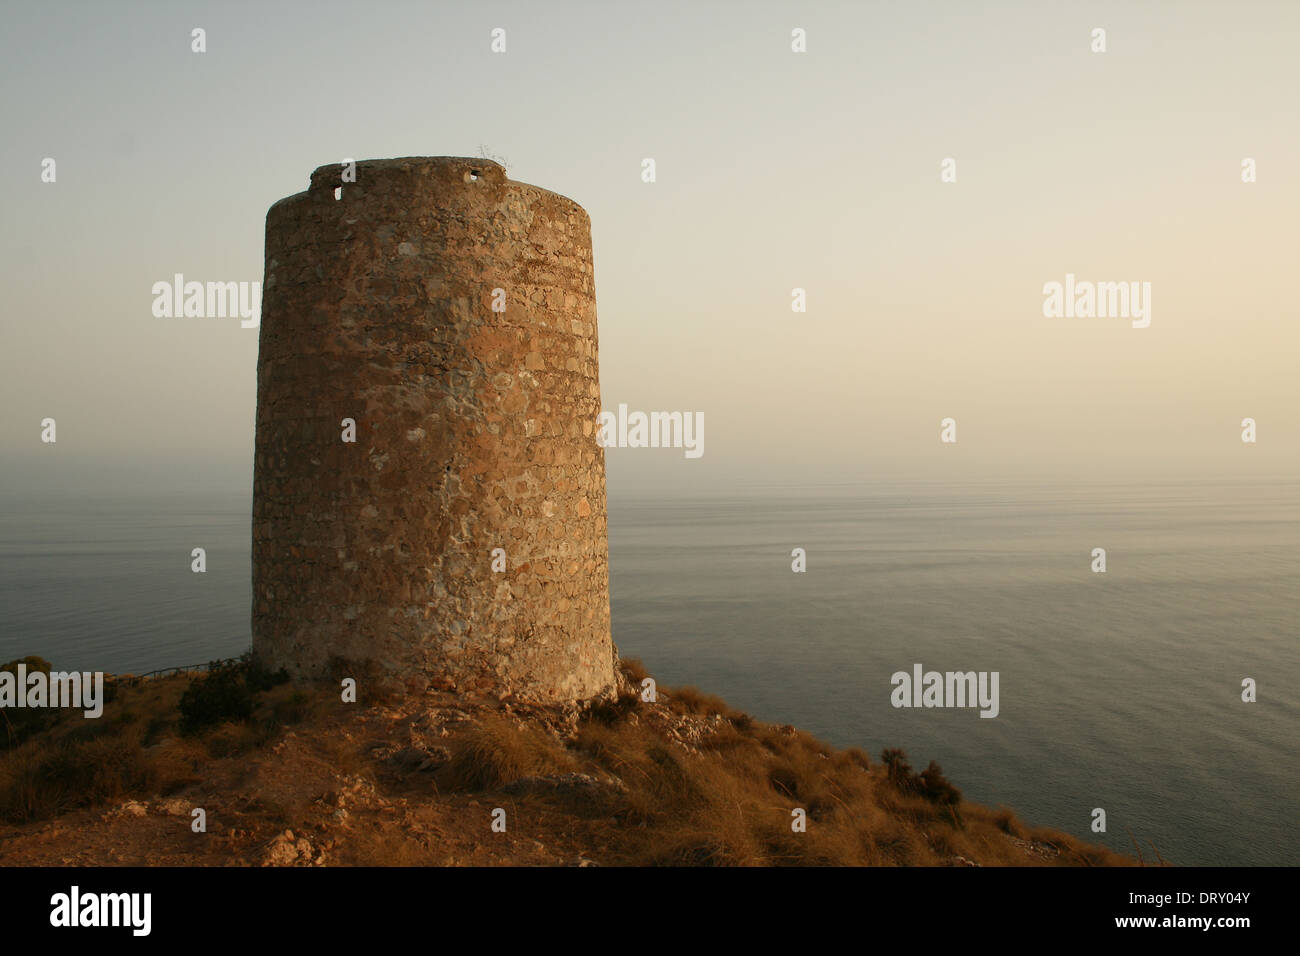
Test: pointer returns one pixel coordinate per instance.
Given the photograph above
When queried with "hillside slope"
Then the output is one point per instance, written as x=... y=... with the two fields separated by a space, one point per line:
x=308 y=780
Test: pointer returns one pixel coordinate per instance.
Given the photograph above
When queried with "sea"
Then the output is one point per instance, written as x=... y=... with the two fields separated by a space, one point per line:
x=1119 y=690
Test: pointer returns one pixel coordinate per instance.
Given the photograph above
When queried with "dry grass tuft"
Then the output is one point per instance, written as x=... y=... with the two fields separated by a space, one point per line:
x=497 y=752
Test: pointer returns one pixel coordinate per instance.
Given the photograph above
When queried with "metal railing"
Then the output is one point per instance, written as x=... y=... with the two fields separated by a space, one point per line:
x=131 y=680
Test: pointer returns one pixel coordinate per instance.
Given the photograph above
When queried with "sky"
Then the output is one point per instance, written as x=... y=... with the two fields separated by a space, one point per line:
x=775 y=170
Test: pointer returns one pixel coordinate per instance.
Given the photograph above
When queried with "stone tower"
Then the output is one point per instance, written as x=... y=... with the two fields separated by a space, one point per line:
x=451 y=314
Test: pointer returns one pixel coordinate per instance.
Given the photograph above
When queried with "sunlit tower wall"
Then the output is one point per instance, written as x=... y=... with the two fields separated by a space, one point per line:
x=451 y=314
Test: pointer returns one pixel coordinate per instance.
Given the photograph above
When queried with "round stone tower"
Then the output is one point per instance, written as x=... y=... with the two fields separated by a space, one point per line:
x=428 y=490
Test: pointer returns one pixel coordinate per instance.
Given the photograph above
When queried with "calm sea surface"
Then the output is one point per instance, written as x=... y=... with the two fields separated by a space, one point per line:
x=1119 y=690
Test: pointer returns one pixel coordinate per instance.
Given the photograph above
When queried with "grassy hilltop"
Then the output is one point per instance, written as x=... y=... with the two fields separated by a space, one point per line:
x=294 y=776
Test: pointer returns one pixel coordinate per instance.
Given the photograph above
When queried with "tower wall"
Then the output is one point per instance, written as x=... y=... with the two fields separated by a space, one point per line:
x=475 y=430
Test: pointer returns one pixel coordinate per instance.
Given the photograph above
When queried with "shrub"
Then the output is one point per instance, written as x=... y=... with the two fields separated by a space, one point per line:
x=898 y=771
x=929 y=783
x=220 y=695
x=936 y=788
x=19 y=723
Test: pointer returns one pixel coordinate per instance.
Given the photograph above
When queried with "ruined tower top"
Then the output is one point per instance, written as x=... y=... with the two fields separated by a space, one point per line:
x=414 y=175
x=454 y=533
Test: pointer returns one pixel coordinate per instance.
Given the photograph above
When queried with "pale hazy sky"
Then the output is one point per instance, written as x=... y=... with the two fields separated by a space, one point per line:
x=775 y=170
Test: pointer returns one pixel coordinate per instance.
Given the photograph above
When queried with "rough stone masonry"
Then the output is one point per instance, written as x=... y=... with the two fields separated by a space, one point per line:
x=474 y=430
